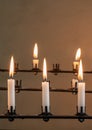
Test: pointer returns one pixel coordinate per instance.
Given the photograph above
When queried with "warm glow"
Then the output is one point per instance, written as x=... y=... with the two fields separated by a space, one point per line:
x=44 y=70
x=11 y=72
x=78 y=54
x=35 y=54
x=80 y=71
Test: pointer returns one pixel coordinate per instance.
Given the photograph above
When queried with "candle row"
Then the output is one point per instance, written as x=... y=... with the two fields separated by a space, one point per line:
x=11 y=89
x=76 y=83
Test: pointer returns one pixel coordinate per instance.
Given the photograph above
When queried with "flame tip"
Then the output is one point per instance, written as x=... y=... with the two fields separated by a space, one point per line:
x=78 y=54
x=11 y=71
x=44 y=69
x=80 y=71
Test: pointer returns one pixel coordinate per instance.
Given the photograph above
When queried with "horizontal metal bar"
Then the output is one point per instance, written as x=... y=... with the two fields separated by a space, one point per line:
x=45 y=116
x=39 y=71
x=51 y=90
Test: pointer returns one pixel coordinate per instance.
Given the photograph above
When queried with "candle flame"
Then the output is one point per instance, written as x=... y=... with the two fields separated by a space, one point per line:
x=78 y=54
x=35 y=53
x=11 y=72
x=80 y=71
x=44 y=70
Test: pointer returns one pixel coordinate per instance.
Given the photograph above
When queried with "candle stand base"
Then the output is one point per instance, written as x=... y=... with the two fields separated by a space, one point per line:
x=56 y=69
x=10 y=113
x=45 y=114
x=81 y=114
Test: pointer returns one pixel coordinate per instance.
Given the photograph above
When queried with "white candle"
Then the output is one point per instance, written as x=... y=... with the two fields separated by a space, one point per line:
x=45 y=96
x=35 y=63
x=81 y=97
x=11 y=94
x=35 y=56
x=77 y=59
x=81 y=90
x=45 y=90
x=11 y=87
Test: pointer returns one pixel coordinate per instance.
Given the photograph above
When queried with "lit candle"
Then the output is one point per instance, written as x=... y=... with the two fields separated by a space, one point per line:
x=81 y=90
x=77 y=59
x=11 y=88
x=75 y=67
x=45 y=90
x=35 y=56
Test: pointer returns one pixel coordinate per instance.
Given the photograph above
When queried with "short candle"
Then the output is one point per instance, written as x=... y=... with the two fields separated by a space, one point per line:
x=35 y=56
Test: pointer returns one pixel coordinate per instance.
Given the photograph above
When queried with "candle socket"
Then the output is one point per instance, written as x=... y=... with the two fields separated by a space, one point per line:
x=56 y=68
x=74 y=84
x=36 y=70
x=35 y=66
x=75 y=71
x=74 y=91
x=45 y=113
x=46 y=110
x=81 y=113
x=18 y=85
x=35 y=63
x=75 y=67
x=11 y=112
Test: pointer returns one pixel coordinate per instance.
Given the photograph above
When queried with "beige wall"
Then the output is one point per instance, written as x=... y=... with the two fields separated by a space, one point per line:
x=59 y=27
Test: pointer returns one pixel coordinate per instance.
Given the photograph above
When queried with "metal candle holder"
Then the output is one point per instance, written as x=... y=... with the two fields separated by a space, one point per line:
x=10 y=112
x=11 y=115
x=45 y=114
x=82 y=114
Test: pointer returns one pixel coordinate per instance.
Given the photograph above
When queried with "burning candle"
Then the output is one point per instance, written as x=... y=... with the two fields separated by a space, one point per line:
x=75 y=68
x=11 y=87
x=45 y=90
x=35 y=56
x=77 y=59
x=81 y=90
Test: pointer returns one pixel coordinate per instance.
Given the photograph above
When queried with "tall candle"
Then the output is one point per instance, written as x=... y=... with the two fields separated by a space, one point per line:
x=11 y=87
x=81 y=97
x=81 y=90
x=45 y=90
x=35 y=56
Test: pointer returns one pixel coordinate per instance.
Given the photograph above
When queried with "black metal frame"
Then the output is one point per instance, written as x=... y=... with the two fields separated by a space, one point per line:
x=41 y=116
x=18 y=89
x=46 y=115
x=55 y=71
